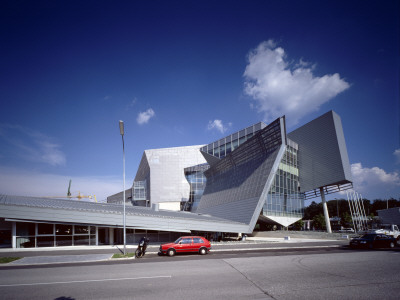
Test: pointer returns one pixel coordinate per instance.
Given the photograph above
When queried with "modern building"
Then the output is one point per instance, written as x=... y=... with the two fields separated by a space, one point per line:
x=258 y=174
x=390 y=216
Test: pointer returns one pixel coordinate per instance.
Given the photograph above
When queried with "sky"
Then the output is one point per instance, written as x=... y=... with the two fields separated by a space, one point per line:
x=182 y=73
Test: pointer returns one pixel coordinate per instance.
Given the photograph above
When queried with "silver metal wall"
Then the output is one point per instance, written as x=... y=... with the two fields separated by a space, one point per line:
x=323 y=158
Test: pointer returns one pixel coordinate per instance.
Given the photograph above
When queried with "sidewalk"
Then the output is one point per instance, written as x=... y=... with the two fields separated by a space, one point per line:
x=251 y=244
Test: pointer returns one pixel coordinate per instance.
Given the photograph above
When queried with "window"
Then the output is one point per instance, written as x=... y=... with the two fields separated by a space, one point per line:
x=45 y=229
x=24 y=229
x=186 y=241
x=81 y=229
x=63 y=229
x=45 y=241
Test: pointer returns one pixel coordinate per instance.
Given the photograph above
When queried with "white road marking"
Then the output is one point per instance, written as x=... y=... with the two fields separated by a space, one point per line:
x=82 y=281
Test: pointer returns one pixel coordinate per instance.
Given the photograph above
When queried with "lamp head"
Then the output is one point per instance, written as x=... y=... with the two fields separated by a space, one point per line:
x=121 y=127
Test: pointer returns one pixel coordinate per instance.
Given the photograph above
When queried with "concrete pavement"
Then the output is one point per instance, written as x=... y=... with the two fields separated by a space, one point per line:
x=82 y=254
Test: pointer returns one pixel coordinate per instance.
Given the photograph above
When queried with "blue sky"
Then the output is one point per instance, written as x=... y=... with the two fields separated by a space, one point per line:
x=184 y=73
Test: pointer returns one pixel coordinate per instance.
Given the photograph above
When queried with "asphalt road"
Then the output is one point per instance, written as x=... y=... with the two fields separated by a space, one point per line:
x=324 y=274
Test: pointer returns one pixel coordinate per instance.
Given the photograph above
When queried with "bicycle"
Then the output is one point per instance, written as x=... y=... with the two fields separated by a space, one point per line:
x=139 y=253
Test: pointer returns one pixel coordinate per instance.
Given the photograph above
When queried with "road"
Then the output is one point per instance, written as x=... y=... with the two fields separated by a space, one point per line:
x=323 y=274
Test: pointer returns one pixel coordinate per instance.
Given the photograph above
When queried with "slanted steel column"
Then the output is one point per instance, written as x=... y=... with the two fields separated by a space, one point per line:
x=326 y=213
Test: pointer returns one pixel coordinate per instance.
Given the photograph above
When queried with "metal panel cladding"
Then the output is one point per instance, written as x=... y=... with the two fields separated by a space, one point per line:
x=237 y=185
x=323 y=159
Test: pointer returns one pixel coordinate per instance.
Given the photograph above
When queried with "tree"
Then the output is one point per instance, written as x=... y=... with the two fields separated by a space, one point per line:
x=312 y=210
x=319 y=222
x=298 y=225
x=346 y=220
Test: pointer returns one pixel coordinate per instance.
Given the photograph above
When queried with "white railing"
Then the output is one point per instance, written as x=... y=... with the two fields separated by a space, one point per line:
x=357 y=211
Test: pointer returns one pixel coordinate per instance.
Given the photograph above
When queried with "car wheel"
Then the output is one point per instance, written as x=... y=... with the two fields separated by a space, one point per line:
x=171 y=252
x=203 y=251
x=391 y=245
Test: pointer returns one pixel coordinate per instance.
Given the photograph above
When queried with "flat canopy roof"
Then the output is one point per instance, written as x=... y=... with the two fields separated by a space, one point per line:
x=74 y=211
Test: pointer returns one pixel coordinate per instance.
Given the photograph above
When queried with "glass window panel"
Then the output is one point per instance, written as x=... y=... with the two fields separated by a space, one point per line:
x=81 y=229
x=25 y=242
x=62 y=229
x=92 y=229
x=222 y=150
x=63 y=240
x=216 y=152
x=44 y=228
x=45 y=241
x=234 y=144
x=24 y=229
x=81 y=240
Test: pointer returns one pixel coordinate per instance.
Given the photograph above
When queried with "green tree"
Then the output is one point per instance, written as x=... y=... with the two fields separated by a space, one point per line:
x=319 y=222
x=298 y=225
x=312 y=210
x=346 y=220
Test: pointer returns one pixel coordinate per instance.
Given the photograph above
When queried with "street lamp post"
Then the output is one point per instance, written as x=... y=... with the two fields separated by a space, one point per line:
x=121 y=130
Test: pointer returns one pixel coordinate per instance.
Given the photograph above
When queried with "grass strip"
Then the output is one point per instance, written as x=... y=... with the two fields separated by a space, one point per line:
x=4 y=260
x=119 y=255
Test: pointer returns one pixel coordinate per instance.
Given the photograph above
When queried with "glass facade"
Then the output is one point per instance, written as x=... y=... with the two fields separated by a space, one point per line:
x=226 y=145
x=284 y=197
x=139 y=190
x=197 y=180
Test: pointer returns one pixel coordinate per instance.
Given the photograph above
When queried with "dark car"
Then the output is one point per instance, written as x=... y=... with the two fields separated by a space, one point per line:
x=186 y=244
x=372 y=240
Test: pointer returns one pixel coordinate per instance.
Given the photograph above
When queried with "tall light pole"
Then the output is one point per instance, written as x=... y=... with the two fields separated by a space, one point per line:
x=121 y=130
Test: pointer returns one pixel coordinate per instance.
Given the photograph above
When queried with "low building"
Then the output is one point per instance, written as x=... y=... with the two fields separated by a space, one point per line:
x=390 y=216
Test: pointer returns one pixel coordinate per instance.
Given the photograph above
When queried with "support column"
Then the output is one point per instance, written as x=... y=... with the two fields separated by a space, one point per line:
x=14 y=235
x=325 y=207
x=111 y=232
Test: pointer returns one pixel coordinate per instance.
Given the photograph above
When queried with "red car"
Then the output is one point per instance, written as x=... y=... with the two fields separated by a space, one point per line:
x=186 y=244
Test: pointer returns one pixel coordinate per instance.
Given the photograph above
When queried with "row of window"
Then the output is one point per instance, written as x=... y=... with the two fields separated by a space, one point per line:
x=29 y=229
x=224 y=150
x=51 y=241
x=30 y=235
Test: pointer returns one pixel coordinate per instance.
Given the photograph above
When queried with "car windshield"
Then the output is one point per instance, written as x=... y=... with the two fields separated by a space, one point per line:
x=177 y=241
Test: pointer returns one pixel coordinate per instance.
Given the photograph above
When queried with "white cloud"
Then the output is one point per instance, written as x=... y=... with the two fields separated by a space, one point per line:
x=218 y=125
x=375 y=182
x=32 y=145
x=26 y=183
x=145 y=116
x=280 y=90
x=396 y=153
